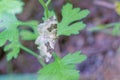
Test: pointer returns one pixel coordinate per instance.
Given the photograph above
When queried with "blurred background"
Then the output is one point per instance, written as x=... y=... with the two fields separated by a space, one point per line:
x=102 y=49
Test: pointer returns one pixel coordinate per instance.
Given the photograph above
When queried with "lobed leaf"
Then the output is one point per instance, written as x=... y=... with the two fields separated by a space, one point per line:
x=69 y=24
x=13 y=50
x=73 y=58
x=61 y=69
x=11 y=34
x=11 y=6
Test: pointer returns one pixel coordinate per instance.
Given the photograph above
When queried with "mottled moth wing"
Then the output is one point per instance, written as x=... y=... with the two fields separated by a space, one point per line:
x=47 y=38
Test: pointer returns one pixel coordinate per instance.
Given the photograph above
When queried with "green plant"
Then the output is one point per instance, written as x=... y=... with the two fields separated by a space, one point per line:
x=68 y=25
x=9 y=28
x=60 y=69
x=111 y=28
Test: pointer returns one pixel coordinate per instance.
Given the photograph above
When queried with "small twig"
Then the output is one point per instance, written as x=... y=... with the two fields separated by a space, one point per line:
x=104 y=4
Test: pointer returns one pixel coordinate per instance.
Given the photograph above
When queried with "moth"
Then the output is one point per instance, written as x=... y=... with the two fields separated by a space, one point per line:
x=47 y=37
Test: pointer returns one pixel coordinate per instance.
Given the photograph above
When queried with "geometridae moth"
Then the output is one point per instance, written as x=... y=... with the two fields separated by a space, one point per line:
x=47 y=38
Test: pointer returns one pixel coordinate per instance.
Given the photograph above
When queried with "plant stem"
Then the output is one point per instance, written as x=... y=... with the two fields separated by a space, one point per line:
x=48 y=2
x=45 y=7
x=41 y=62
x=29 y=23
x=34 y=54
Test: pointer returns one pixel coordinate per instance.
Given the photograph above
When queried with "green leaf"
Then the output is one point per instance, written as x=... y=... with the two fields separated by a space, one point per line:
x=70 y=15
x=77 y=58
x=13 y=48
x=27 y=35
x=9 y=33
x=62 y=69
x=116 y=29
x=9 y=23
x=11 y=6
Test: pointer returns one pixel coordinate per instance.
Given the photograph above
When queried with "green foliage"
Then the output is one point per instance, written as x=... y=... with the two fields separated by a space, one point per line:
x=62 y=69
x=11 y=6
x=70 y=15
x=116 y=28
x=27 y=34
x=112 y=28
x=47 y=12
x=9 y=31
x=45 y=5
x=10 y=27
x=51 y=13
